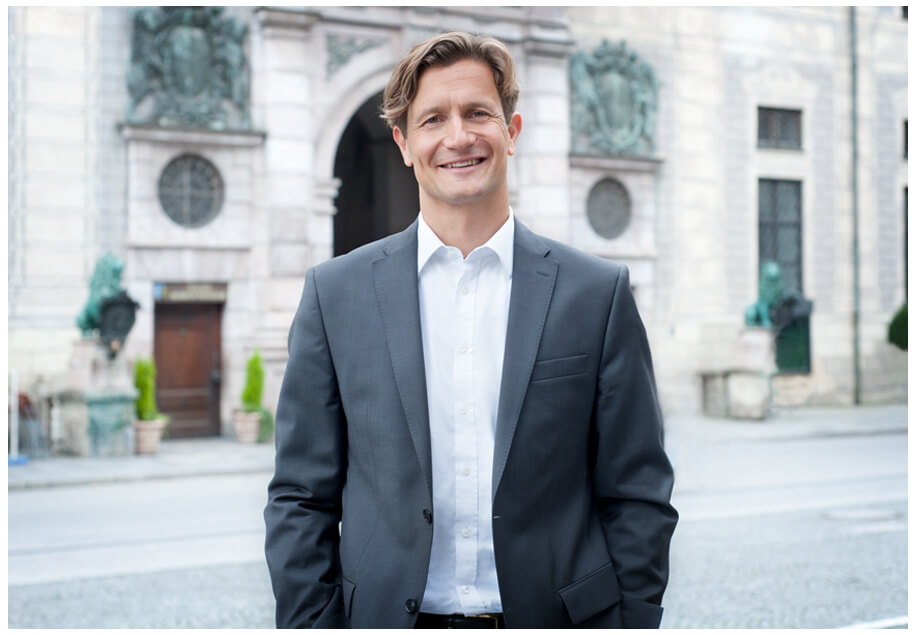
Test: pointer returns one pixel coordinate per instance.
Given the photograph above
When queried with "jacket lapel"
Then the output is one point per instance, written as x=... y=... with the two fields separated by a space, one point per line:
x=396 y=279
x=533 y=283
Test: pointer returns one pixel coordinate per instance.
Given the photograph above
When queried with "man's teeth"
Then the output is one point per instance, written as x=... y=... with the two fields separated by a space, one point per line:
x=462 y=164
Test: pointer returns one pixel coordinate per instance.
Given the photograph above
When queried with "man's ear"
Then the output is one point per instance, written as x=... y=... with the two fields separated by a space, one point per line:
x=514 y=128
x=402 y=145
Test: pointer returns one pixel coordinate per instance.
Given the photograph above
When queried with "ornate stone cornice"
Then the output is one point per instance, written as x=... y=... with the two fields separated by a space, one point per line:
x=285 y=18
x=192 y=136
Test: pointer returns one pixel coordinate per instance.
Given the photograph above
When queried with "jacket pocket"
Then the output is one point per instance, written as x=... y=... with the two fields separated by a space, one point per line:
x=591 y=594
x=347 y=590
x=559 y=367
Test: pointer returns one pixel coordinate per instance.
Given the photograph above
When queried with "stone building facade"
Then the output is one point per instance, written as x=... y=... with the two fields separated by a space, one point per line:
x=308 y=172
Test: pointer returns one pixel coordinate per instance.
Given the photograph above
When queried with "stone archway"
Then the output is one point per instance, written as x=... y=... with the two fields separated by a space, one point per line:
x=378 y=194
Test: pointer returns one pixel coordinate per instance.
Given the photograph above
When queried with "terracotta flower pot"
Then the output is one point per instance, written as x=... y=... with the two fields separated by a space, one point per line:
x=147 y=435
x=246 y=425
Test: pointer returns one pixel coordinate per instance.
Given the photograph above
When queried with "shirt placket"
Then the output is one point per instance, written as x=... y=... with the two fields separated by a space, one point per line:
x=466 y=445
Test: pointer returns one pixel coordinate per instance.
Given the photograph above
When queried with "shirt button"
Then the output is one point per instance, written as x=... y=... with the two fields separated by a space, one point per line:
x=466 y=471
x=463 y=349
x=411 y=606
x=465 y=290
x=466 y=533
x=464 y=409
x=428 y=516
x=466 y=590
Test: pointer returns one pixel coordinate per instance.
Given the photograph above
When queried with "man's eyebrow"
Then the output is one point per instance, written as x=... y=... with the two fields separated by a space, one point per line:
x=423 y=114
x=482 y=105
x=474 y=105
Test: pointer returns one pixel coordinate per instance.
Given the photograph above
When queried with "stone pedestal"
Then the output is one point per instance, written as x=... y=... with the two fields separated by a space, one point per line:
x=748 y=395
x=83 y=355
x=91 y=412
x=69 y=423
x=755 y=350
x=111 y=415
x=111 y=406
x=742 y=391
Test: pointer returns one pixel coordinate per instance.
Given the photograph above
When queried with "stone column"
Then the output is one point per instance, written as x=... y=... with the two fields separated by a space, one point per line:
x=291 y=234
x=540 y=181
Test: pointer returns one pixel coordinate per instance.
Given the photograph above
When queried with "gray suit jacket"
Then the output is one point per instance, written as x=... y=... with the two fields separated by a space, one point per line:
x=581 y=484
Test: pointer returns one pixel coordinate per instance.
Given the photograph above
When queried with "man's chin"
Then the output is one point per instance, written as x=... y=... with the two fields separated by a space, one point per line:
x=463 y=196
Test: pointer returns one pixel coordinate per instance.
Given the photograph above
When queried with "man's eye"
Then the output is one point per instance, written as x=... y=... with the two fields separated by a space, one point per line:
x=479 y=114
x=432 y=120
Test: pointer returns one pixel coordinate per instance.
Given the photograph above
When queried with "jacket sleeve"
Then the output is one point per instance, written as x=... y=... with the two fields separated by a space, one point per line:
x=304 y=496
x=633 y=478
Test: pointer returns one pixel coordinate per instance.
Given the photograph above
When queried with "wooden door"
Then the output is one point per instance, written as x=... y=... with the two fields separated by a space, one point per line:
x=187 y=353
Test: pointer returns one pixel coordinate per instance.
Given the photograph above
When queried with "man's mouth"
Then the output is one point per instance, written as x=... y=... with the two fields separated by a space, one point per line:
x=462 y=164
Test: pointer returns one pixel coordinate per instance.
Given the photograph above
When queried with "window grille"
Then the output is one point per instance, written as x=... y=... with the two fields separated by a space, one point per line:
x=609 y=208
x=780 y=128
x=781 y=240
x=191 y=190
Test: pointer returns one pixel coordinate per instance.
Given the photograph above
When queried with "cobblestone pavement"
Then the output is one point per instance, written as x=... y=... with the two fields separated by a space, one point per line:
x=798 y=525
x=811 y=569
x=814 y=569
x=230 y=596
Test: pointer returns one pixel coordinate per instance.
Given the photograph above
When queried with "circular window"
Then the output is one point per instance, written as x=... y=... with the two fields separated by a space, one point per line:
x=191 y=190
x=609 y=208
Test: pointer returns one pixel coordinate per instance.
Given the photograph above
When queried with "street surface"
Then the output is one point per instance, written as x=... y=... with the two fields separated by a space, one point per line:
x=774 y=532
x=789 y=533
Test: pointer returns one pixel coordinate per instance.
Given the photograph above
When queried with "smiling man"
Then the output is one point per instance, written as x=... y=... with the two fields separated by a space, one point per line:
x=468 y=433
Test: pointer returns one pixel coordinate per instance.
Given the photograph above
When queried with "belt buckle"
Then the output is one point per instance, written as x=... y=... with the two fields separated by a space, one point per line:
x=493 y=618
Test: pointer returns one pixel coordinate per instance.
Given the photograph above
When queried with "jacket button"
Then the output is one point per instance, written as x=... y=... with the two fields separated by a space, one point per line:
x=411 y=606
x=428 y=516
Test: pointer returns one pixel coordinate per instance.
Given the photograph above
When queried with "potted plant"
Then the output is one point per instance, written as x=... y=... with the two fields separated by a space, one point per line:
x=251 y=422
x=150 y=422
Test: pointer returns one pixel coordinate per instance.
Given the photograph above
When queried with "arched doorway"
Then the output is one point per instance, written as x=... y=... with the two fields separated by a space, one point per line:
x=378 y=194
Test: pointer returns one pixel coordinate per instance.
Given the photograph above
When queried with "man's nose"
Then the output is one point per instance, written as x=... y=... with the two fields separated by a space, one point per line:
x=459 y=134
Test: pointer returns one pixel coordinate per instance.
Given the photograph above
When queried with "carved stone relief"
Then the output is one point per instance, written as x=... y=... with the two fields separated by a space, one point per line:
x=613 y=102
x=341 y=49
x=188 y=68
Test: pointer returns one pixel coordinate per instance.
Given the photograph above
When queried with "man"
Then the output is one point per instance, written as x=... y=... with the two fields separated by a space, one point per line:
x=474 y=404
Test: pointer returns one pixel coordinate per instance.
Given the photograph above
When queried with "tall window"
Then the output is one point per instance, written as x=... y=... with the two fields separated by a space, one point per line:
x=779 y=229
x=781 y=241
x=780 y=128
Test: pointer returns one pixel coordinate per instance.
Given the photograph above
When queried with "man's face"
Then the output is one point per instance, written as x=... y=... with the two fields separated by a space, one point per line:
x=456 y=137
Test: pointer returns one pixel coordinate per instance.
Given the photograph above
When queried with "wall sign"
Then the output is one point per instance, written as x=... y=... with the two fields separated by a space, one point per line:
x=207 y=292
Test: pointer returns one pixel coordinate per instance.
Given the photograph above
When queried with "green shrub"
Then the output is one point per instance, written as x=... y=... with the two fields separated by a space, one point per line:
x=898 y=328
x=265 y=425
x=254 y=383
x=251 y=396
x=145 y=382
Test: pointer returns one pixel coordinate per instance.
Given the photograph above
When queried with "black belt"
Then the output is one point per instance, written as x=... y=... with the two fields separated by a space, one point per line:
x=432 y=620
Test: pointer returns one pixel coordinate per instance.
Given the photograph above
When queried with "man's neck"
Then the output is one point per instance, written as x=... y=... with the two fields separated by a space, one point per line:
x=465 y=227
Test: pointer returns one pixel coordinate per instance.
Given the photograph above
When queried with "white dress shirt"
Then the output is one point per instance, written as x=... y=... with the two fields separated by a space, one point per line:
x=464 y=305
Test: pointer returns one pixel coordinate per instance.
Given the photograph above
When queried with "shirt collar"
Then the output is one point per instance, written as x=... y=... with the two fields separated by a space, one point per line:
x=501 y=243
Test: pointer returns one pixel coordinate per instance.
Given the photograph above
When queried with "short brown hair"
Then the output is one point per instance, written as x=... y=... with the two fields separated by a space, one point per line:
x=443 y=50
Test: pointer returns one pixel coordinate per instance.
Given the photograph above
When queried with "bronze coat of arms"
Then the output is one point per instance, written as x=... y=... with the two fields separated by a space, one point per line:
x=188 y=69
x=613 y=102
